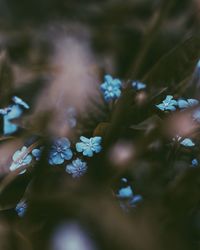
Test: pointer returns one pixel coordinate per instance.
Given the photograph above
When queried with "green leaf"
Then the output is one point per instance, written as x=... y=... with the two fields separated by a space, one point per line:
x=176 y=65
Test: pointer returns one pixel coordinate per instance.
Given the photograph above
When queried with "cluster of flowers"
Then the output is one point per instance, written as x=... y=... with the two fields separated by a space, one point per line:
x=61 y=149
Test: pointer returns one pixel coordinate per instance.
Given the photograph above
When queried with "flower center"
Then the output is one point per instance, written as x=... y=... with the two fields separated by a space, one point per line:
x=110 y=88
x=59 y=149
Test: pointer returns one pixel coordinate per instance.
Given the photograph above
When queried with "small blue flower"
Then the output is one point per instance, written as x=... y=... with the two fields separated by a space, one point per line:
x=60 y=151
x=187 y=103
x=89 y=145
x=77 y=168
x=168 y=104
x=195 y=162
x=19 y=101
x=128 y=198
x=20 y=158
x=21 y=208
x=111 y=88
x=37 y=153
x=71 y=117
x=138 y=85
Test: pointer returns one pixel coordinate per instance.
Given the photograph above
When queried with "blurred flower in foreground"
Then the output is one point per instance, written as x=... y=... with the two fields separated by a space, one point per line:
x=37 y=153
x=20 y=158
x=71 y=117
x=187 y=103
x=77 y=168
x=89 y=145
x=195 y=162
x=60 y=151
x=71 y=236
x=122 y=153
x=138 y=85
x=168 y=104
x=111 y=88
x=21 y=208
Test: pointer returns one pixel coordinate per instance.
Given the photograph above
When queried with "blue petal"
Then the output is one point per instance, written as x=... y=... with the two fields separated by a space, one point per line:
x=182 y=103
x=80 y=146
x=193 y=102
x=161 y=106
x=187 y=142
x=27 y=160
x=19 y=101
x=84 y=139
x=172 y=108
x=168 y=98
x=68 y=154
x=125 y=192
x=88 y=152
x=57 y=159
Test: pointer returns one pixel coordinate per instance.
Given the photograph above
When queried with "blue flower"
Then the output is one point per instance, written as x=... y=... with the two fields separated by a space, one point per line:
x=168 y=104
x=128 y=198
x=88 y=146
x=187 y=103
x=111 y=88
x=60 y=151
x=20 y=158
x=138 y=85
x=37 y=153
x=21 y=208
x=195 y=162
x=71 y=117
x=77 y=168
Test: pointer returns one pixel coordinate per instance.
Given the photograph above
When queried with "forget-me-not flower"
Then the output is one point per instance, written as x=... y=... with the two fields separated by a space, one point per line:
x=20 y=158
x=128 y=198
x=168 y=104
x=60 y=151
x=111 y=88
x=21 y=208
x=89 y=145
x=77 y=168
